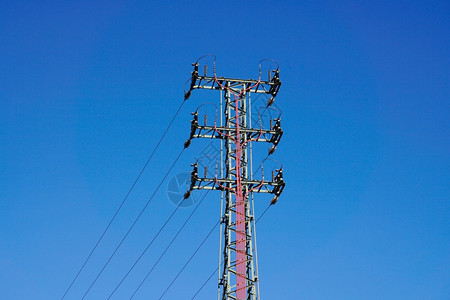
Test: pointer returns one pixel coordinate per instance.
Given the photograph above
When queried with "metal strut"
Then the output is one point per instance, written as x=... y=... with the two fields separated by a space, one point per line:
x=238 y=277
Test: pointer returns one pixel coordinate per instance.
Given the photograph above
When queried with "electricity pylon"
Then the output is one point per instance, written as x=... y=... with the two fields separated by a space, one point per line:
x=238 y=278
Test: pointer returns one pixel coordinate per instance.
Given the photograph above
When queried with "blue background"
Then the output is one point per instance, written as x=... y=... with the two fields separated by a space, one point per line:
x=87 y=88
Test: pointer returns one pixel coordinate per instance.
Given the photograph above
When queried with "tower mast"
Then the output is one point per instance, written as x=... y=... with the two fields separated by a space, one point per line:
x=238 y=278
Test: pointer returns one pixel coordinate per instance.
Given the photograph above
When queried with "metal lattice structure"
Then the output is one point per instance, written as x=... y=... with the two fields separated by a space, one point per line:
x=238 y=278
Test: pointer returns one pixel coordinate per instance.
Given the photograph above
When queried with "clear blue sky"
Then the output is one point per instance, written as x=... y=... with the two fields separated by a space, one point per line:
x=87 y=87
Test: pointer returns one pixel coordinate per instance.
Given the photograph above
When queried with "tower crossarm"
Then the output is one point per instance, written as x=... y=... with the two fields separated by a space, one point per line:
x=272 y=135
x=275 y=186
x=198 y=81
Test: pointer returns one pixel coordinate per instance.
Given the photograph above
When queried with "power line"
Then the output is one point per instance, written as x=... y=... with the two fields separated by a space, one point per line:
x=122 y=203
x=207 y=280
x=132 y=225
x=168 y=246
x=264 y=212
x=151 y=242
x=145 y=250
x=189 y=260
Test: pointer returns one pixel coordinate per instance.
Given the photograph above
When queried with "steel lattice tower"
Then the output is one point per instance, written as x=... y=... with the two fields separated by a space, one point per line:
x=238 y=278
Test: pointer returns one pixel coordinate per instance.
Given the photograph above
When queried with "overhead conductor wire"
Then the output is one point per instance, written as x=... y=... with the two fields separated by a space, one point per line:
x=122 y=203
x=151 y=242
x=168 y=246
x=190 y=258
x=134 y=223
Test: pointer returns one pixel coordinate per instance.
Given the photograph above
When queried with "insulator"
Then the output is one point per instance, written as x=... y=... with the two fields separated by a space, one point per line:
x=270 y=75
x=206 y=69
x=206 y=171
x=277 y=123
x=274 y=200
x=272 y=149
x=195 y=72
x=187 y=95
x=270 y=101
x=187 y=143
x=187 y=194
x=271 y=124
x=206 y=119
x=279 y=177
x=273 y=174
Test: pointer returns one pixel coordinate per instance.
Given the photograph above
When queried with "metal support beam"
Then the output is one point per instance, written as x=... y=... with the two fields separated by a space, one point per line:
x=238 y=278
